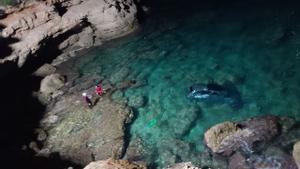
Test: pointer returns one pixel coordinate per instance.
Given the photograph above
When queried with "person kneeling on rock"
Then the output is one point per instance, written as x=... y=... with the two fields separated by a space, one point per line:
x=87 y=99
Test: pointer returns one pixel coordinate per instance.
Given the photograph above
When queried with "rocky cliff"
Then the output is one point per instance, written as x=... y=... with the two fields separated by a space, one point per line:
x=30 y=28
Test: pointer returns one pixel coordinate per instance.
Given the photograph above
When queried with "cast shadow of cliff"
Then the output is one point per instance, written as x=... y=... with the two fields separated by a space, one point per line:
x=6 y=50
x=20 y=115
x=21 y=112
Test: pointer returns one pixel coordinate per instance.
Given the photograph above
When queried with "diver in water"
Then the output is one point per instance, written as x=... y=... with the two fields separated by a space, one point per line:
x=213 y=93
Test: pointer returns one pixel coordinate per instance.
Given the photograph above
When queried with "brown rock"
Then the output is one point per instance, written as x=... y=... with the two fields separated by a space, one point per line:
x=227 y=137
x=114 y=164
x=215 y=135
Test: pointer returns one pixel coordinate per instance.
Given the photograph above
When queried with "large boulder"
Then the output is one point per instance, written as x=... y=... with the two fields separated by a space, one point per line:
x=51 y=83
x=296 y=153
x=226 y=138
x=114 y=164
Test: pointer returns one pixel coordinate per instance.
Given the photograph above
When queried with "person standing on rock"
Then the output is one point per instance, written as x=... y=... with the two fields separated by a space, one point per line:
x=87 y=100
x=99 y=90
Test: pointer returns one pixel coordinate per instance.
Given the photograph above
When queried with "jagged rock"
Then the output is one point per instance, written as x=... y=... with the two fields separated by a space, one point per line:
x=187 y=165
x=296 y=153
x=51 y=83
x=216 y=134
x=45 y=70
x=85 y=134
x=35 y=23
x=225 y=138
x=114 y=164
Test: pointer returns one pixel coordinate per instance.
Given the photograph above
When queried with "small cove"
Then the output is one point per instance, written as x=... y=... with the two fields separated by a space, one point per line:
x=258 y=51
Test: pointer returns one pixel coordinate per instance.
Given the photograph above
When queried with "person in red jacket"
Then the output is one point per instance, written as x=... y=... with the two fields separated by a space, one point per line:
x=99 y=90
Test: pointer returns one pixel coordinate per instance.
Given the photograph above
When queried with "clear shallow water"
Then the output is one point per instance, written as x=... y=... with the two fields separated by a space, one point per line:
x=257 y=50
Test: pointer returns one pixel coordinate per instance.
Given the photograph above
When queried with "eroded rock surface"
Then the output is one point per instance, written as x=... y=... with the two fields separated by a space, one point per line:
x=114 y=164
x=82 y=134
x=225 y=138
x=72 y=24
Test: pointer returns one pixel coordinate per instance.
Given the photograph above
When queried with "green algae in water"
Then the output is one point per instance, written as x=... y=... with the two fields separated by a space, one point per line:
x=170 y=57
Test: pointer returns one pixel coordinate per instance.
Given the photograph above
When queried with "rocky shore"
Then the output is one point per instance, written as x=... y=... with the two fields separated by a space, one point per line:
x=63 y=27
x=52 y=31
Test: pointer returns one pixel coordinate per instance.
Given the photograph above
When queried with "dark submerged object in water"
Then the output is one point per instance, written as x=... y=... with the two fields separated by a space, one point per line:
x=213 y=93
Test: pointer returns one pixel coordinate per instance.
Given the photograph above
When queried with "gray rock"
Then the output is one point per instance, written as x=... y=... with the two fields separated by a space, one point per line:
x=45 y=70
x=85 y=134
x=51 y=83
x=114 y=164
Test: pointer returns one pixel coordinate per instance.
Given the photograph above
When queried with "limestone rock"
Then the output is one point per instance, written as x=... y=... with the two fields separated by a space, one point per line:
x=45 y=70
x=85 y=134
x=114 y=164
x=225 y=138
x=36 y=24
x=51 y=83
x=215 y=135
x=296 y=153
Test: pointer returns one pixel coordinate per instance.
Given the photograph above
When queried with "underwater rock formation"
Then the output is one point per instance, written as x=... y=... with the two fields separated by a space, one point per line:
x=273 y=158
x=187 y=165
x=226 y=138
x=64 y=24
x=114 y=164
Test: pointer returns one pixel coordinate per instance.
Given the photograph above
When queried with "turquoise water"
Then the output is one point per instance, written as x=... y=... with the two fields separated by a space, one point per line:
x=257 y=50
